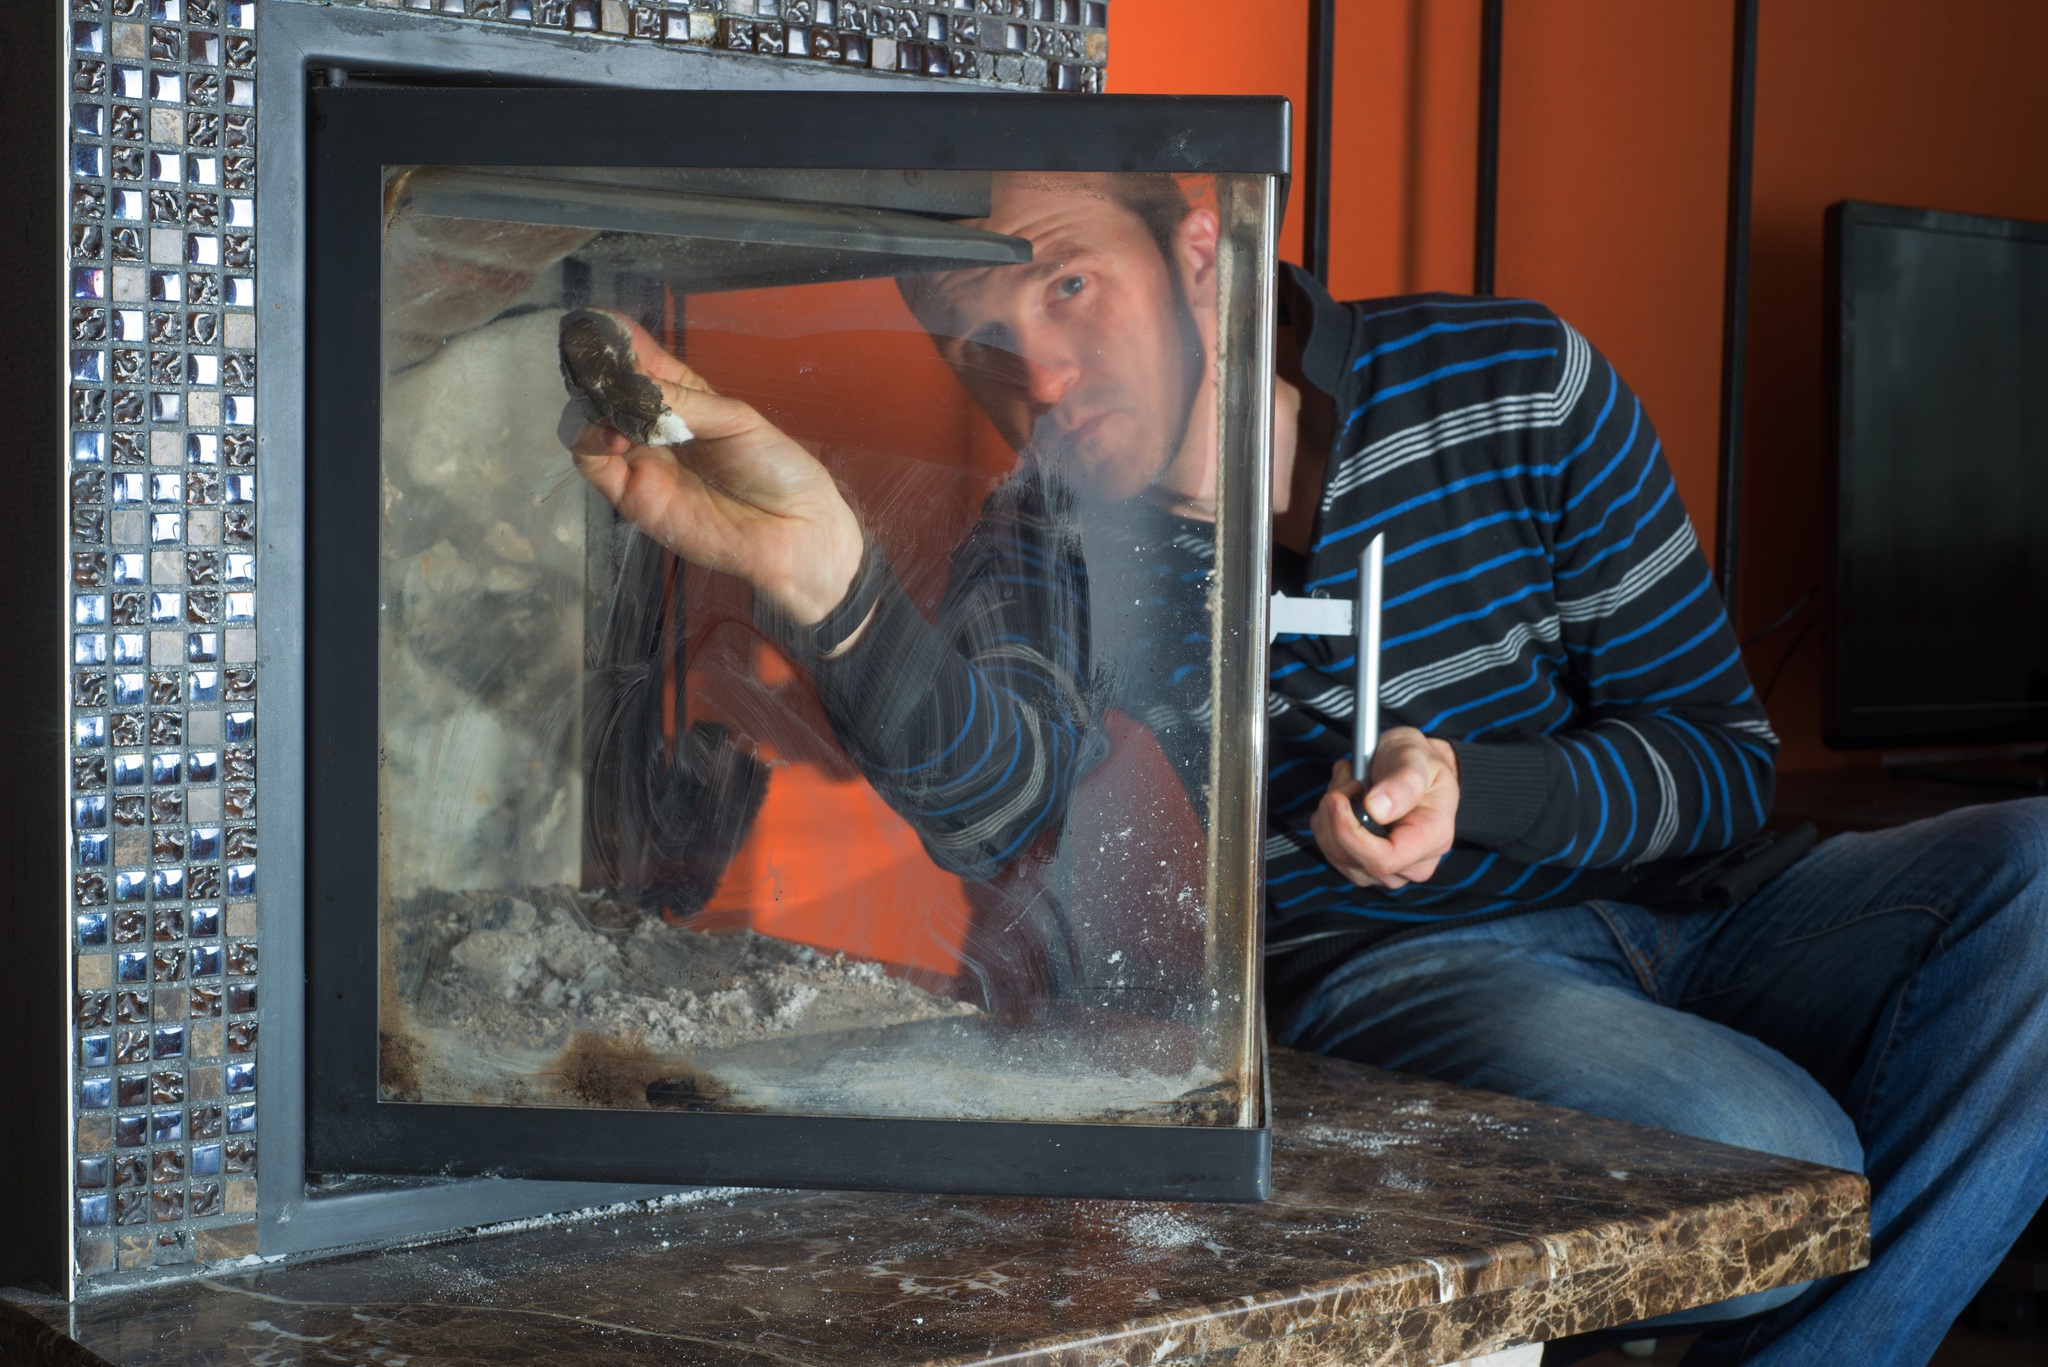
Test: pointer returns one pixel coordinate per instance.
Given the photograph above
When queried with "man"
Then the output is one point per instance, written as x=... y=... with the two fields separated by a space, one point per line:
x=1554 y=912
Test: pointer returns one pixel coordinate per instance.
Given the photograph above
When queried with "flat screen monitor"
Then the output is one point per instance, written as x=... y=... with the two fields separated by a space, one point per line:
x=1938 y=327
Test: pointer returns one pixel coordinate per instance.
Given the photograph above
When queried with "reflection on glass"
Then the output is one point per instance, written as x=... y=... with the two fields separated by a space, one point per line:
x=849 y=747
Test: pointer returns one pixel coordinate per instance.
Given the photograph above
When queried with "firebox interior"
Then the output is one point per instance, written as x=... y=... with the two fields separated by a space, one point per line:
x=638 y=852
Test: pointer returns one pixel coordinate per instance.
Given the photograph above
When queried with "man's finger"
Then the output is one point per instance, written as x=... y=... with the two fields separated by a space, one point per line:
x=710 y=416
x=585 y=438
x=1348 y=843
x=1408 y=852
x=657 y=361
x=1401 y=778
x=1342 y=780
x=1416 y=842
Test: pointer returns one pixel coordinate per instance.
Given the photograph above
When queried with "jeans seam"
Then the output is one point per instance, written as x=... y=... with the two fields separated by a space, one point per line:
x=1881 y=1053
x=1942 y=914
x=1645 y=976
x=1667 y=941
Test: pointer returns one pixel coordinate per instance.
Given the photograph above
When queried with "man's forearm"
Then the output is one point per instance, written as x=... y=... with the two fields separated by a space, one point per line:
x=958 y=751
x=1622 y=791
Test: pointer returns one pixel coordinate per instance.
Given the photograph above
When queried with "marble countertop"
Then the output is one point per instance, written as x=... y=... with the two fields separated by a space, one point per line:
x=1412 y=1223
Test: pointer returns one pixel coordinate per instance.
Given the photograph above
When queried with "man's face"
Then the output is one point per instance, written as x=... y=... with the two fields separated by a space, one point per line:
x=1088 y=358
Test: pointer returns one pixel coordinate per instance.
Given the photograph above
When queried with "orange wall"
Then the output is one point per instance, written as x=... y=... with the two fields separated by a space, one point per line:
x=1612 y=196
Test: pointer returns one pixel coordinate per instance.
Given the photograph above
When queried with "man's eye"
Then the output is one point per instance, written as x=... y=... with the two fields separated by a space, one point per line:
x=1071 y=286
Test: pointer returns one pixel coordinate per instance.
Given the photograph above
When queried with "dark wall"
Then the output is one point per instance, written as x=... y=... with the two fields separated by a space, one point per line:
x=34 y=985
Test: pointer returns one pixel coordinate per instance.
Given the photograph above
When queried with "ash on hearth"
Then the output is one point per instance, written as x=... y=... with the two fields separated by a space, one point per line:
x=516 y=975
x=555 y=997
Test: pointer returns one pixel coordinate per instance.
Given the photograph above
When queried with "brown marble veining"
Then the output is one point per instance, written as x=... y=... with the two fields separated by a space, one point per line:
x=1412 y=1223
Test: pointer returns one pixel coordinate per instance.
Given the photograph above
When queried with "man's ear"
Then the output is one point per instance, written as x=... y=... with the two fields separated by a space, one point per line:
x=1194 y=250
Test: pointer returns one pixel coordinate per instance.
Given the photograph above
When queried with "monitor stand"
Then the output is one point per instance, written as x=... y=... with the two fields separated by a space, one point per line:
x=2027 y=771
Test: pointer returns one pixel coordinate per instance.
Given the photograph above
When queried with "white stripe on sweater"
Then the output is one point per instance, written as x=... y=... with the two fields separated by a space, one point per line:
x=1506 y=414
x=1403 y=689
x=1760 y=729
x=1641 y=577
x=1666 y=829
x=1331 y=702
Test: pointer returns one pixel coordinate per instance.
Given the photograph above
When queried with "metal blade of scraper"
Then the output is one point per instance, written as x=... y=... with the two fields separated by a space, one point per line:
x=1365 y=711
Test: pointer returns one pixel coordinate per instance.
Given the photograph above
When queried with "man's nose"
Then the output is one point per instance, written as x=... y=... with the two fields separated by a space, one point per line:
x=1047 y=382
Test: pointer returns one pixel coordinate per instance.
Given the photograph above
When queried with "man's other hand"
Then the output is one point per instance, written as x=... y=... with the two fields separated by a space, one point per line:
x=743 y=498
x=1414 y=794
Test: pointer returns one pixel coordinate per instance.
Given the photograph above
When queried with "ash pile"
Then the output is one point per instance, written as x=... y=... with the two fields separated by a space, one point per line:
x=528 y=971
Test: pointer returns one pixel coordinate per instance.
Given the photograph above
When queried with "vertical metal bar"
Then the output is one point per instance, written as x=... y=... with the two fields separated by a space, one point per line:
x=1365 y=705
x=1735 y=306
x=1365 y=732
x=1486 y=215
x=1315 y=176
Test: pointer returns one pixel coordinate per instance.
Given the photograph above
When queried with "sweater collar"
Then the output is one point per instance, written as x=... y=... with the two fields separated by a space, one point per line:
x=1323 y=324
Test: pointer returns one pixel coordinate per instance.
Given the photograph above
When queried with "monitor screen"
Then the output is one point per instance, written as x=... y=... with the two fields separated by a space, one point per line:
x=1940 y=373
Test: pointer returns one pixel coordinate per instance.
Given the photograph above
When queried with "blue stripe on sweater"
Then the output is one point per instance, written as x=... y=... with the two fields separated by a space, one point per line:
x=1438 y=329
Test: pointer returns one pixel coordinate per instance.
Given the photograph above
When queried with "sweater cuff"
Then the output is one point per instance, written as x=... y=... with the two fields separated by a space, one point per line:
x=875 y=692
x=1504 y=789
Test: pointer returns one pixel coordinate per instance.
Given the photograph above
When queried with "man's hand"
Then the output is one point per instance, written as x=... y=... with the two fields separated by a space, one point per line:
x=1414 y=795
x=743 y=498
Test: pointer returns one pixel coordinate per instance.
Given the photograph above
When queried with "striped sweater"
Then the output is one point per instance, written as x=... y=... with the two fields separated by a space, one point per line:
x=1547 y=610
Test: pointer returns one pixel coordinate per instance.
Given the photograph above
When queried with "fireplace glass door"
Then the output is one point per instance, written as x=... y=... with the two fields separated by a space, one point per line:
x=802 y=681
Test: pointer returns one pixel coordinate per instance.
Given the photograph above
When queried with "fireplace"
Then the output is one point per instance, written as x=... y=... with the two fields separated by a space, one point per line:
x=181 y=535
x=613 y=874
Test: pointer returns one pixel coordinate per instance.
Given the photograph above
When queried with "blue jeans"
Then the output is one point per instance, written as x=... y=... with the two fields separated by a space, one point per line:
x=1880 y=1006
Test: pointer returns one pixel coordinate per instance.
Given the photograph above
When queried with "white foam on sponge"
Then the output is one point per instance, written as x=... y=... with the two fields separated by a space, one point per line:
x=670 y=430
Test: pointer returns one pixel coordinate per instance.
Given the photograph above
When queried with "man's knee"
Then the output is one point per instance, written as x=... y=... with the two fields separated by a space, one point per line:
x=1773 y=1108
x=2022 y=834
x=2006 y=844
x=2000 y=852
x=1493 y=1017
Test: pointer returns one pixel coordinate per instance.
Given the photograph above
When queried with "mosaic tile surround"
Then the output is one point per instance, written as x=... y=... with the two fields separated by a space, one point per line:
x=162 y=282
x=1035 y=44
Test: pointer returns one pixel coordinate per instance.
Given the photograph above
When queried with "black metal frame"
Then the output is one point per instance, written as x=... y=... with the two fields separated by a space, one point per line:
x=1486 y=210
x=1735 y=308
x=1315 y=176
x=357 y=131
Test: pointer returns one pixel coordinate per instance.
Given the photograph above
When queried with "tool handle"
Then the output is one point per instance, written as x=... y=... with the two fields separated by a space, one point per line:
x=1371 y=827
x=1365 y=717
